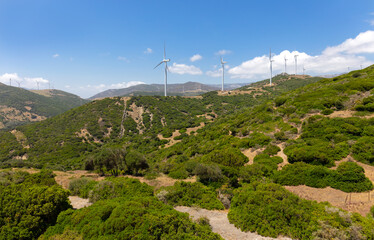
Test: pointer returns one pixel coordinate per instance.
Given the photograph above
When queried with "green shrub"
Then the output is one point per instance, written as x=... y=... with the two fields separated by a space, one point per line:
x=81 y=186
x=29 y=207
x=349 y=177
x=271 y=150
x=190 y=194
x=271 y=210
x=230 y=157
x=129 y=218
x=119 y=187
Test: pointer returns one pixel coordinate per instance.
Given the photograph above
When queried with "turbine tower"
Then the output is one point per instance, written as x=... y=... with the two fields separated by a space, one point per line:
x=303 y=70
x=10 y=82
x=165 y=60
x=296 y=64
x=271 y=67
x=285 y=65
x=223 y=72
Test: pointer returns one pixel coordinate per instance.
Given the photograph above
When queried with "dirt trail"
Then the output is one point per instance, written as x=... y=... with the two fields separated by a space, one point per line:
x=282 y=155
x=251 y=154
x=220 y=224
x=347 y=114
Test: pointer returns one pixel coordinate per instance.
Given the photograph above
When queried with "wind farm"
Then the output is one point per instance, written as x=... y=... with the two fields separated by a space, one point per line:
x=203 y=120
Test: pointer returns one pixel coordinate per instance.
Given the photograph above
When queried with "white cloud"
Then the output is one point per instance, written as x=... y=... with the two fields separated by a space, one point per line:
x=214 y=73
x=223 y=52
x=55 y=55
x=93 y=89
x=185 y=69
x=334 y=59
x=195 y=57
x=148 y=51
x=363 y=43
x=25 y=82
x=120 y=58
x=371 y=22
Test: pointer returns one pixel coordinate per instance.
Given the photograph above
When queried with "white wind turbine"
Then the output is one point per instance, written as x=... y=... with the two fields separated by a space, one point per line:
x=271 y=67
x=165 y=60
x=223 y=72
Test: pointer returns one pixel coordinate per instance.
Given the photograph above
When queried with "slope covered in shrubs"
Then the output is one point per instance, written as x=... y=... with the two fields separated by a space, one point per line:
x=29 y=203
x=270 y=210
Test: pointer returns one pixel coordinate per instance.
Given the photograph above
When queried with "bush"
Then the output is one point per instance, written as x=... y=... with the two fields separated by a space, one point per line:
x=231 y=157
x=208 y=173
x=119 y=187
x=28 y=208
x=349 y=177
x=271 y=150
x=129 y=218
x=81 y=186
x=190 y=194
x=270 y=210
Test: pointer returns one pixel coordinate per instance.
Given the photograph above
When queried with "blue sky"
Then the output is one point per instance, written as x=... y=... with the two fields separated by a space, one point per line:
x=85 y=47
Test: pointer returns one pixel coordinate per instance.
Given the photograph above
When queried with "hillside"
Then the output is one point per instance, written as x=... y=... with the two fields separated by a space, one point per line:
x=182 y=89
x=244 y=145
x=19 y=106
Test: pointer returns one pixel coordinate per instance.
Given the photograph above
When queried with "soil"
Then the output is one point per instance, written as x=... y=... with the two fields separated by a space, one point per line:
x=251 y=154
x=220 y=223
x=78 y=202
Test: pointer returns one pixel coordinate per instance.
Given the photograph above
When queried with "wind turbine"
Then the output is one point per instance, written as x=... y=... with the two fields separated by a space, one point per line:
x=165 y=60
x=285 y=65
x=271 y=67
x=10 y=82
x=19 y=83
x=303 y=70
x=223 y=72
x=296 y=64
x=37 y=83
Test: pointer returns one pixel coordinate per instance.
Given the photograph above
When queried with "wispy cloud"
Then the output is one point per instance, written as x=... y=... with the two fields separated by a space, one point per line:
x=148 y=51
x=55 y=55
x=223 y=52
x=196 y=57
x=90 y=90
x=124 y=59
x=185 y=69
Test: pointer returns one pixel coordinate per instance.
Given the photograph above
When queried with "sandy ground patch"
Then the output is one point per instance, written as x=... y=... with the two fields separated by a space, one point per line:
x=78 y=202
x=220 y=223
x=251 y=154
x=353 y=202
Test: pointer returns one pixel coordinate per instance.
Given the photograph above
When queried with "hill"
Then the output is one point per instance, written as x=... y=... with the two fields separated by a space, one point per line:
x=244 y=144
x=19 y=106
x=183 y=89
x=146 y=122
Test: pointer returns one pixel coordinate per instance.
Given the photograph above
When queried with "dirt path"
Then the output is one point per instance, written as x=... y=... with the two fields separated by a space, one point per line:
x=282 y=155
x=251 y=154
x=220 y=224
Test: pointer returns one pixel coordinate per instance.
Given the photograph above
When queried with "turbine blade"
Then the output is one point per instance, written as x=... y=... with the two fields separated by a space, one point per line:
x=158 y=64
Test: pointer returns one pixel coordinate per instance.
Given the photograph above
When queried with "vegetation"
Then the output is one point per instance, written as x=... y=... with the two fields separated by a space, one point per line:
x=29 y=204
x=126 y=209
x=349 y=177
x=270 y=210
x=47 y=104
x=189 y=194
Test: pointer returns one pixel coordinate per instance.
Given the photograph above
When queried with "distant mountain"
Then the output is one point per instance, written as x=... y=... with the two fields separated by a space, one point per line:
x=183 y=89
x=19 y=106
